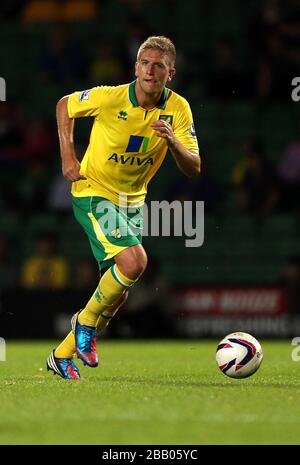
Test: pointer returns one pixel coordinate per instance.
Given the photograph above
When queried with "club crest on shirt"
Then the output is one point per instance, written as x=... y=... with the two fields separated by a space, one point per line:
x=167 y=118
x=123 y=115
x=84 y=95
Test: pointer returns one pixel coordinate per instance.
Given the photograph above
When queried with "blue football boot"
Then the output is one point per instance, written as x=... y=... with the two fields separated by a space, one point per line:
x=64 y=367
x=86 y=341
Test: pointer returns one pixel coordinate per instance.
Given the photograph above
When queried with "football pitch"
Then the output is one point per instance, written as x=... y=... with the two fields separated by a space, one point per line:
x=149 y=392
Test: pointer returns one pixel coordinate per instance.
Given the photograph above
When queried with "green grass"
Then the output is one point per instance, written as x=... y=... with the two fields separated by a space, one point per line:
x=149 y=393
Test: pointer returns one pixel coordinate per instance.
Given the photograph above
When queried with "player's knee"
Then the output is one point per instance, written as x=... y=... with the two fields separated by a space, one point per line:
x=132 y=262
x=141 y=264
x=136 y=268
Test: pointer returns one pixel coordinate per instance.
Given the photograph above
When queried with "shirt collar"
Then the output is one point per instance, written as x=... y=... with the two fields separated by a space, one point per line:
x=161 y=104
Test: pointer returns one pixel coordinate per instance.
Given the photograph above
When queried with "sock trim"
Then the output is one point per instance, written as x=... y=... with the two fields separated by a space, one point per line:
x=117 y=277
x=106 y=317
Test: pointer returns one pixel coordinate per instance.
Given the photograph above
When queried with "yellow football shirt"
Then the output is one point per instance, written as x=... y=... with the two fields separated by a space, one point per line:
x=124 y=152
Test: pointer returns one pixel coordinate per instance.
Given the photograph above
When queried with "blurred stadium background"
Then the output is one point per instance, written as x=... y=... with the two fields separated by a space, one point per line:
x=236 y=61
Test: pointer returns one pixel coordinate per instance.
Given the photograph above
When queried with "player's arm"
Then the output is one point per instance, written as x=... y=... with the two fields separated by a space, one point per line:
x=65 y=124
x=187 y=161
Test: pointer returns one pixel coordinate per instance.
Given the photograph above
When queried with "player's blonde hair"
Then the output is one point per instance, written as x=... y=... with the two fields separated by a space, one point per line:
x=161 y=43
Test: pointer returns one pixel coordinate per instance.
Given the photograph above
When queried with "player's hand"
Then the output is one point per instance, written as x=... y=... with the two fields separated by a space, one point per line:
x=71 y=170
x=164 y=130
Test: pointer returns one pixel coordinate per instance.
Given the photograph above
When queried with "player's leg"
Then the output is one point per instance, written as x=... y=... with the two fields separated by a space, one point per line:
x=113 y=284
x=119 y=250
x=115 y=242
x=128 y=267
x=105 y=317
x=61 y=359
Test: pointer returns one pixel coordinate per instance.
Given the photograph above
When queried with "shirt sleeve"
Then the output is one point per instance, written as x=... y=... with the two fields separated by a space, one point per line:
x=85 y=103
x=184 y=129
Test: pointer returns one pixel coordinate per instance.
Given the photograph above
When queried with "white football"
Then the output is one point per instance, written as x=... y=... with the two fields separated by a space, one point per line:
x=239 y=355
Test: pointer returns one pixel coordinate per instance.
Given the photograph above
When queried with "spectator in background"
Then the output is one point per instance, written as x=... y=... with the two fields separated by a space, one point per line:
x=289 y=176
x=290 y=33
x=107 y=66
x=46 y=268
x=33 y=186
x=255 y=180
x=40 y=139
x=59 y=197
x=59 y=10
x=13 y=130
x=204 y=188
x=263 y=24
x=274 y=70
x=226 y=79
x=22 y=140
x=274 y=39
x=25 y=154
x=79 y=10
x=87 y=275
x=38 y=11
x=63 y=60
x=264 y=47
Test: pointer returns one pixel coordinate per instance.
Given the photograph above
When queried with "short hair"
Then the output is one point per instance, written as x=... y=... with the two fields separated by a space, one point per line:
x=164 y=44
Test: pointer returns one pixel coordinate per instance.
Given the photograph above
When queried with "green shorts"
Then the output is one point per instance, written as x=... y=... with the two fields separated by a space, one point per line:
x=110 y=229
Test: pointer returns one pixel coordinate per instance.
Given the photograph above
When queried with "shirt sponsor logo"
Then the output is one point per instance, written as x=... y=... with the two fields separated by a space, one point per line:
x=137 y=144
x=130 y=160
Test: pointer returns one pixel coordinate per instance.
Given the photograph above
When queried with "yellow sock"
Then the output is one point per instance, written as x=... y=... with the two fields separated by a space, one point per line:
x=104 y=318
x=111 y=286
x=67 y=347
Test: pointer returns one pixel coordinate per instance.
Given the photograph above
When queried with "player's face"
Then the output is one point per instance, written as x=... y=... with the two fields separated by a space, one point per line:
x=153 y=70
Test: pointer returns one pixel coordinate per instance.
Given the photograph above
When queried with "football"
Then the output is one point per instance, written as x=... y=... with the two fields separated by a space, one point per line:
x=239 y=355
